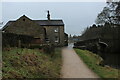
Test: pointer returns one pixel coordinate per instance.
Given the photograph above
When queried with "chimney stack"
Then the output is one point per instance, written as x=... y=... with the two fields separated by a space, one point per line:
x=48 y=15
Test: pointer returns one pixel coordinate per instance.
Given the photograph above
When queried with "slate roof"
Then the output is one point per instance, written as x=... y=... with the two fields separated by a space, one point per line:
x=50 y=22
x=41 y=23
x=8 y=23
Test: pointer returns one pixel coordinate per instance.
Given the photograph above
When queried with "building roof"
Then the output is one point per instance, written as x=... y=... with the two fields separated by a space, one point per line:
x=50 y=22
x=41 y=23
x=8 y=23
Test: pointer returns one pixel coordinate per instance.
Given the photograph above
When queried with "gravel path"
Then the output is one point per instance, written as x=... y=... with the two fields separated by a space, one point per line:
x=73 y=66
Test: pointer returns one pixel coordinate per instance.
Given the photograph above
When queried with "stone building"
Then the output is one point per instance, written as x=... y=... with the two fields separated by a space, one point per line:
x=54 y=30
x=45 y=31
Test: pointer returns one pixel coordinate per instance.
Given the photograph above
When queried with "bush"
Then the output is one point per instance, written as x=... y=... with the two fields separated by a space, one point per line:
x=49 y=49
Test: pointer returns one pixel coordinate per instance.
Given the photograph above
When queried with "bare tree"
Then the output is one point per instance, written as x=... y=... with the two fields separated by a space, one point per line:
x=110 y=14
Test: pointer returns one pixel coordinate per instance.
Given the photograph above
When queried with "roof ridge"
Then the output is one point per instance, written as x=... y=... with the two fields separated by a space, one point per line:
x=49 y=20
x=11 y=21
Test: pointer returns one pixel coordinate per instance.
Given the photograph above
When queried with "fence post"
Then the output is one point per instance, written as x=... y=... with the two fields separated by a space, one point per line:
x=19 y=43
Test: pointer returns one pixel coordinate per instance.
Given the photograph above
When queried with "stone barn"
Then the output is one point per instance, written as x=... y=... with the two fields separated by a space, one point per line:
x=25 y=26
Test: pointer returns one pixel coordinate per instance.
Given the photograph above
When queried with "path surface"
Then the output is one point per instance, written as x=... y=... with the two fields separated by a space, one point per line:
x=73 y=66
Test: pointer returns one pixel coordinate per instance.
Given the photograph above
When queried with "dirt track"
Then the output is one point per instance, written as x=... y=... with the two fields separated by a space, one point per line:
x=73 y=66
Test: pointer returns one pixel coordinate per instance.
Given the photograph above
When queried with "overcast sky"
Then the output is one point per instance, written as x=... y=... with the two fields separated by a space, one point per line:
x=76 y=15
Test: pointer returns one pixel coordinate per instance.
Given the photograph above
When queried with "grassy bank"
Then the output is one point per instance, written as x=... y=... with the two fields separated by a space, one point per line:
x=92 y=61
x=31 y=63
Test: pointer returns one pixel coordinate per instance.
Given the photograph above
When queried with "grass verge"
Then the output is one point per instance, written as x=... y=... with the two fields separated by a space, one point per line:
x=30 y=63
x=92 y=61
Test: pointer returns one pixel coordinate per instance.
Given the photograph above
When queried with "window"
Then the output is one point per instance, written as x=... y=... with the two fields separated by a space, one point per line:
x=56 y=30
x=23 y=19
x=56 y=39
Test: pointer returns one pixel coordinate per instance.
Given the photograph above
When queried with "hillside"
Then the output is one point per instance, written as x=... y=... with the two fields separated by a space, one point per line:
x=30 y=63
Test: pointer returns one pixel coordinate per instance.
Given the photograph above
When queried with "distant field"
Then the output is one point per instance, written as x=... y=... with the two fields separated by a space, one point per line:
x=31 y=63
x=92 y=61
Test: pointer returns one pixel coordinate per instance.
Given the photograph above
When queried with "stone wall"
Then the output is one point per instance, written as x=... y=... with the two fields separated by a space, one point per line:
x=15 y=40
